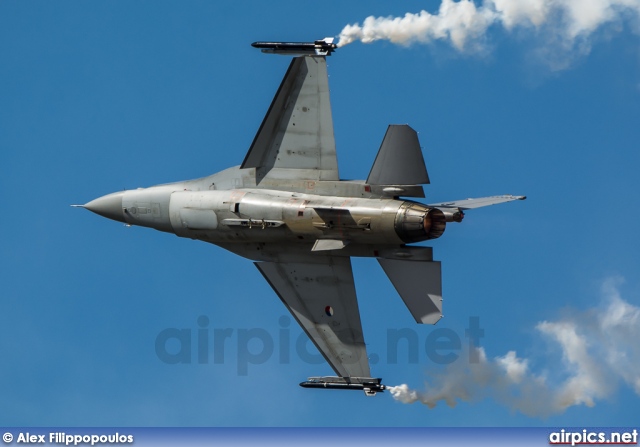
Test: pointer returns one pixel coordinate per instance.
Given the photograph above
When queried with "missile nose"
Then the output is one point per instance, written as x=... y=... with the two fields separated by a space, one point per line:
x=109 y=206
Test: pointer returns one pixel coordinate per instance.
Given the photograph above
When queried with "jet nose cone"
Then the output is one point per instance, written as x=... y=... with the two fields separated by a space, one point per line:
x=109 y=206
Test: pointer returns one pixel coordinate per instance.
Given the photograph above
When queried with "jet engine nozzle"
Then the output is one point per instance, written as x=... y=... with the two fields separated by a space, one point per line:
x=416 y=222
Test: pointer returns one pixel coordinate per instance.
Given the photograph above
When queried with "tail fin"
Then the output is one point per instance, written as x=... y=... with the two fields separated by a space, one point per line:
x=399 y=160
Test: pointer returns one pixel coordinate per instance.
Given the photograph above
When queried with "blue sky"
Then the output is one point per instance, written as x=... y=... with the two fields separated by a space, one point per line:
x=100 y=96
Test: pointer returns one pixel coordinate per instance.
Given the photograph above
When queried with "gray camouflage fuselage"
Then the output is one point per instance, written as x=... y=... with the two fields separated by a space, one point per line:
x=269 y=224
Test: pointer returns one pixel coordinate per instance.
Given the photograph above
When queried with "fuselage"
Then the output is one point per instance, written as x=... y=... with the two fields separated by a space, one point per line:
x=256 y=222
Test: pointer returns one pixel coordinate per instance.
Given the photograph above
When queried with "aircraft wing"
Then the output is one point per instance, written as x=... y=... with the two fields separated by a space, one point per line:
x=295 y=140
x=468 y=204
x=321 y=295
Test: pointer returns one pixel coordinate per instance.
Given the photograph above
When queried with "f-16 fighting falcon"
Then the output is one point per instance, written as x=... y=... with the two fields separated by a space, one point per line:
x=286 y=208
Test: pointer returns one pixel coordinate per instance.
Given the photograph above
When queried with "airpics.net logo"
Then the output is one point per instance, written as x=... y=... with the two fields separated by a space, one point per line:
x=590 y=437
x=205 y=344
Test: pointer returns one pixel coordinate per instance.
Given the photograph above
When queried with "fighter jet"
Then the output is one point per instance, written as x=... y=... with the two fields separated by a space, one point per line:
x=286 y=208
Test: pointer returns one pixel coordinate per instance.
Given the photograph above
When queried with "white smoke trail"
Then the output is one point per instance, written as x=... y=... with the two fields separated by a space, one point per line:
x=599 y=349
x=568 y=24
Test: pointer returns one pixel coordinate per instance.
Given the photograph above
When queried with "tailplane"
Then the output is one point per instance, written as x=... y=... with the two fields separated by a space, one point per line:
x=399 y=160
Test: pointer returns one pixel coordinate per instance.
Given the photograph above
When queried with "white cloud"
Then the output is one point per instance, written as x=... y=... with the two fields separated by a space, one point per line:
x=599 y=350
x=567 y=25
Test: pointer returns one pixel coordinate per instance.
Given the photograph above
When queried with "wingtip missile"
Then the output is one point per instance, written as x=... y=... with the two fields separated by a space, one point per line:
x=323 y=47
x=369 y=385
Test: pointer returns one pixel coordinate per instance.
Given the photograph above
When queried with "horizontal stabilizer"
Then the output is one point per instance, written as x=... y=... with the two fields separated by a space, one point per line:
x=468 y=204
x=419 y=284
x=399 y=160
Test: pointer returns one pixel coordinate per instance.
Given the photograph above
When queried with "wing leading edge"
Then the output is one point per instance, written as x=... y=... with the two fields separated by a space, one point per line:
x=321 y=296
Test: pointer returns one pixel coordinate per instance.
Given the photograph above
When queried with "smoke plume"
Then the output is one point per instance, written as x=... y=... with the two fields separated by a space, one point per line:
x=566 y=24
x=599 y=350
